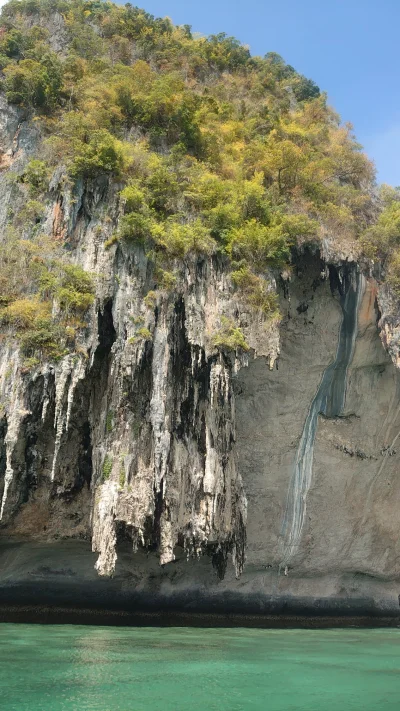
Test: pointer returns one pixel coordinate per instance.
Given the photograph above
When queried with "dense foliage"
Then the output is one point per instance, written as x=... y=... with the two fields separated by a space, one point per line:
x=381 y=242
x=217 y=151
x=42 y=296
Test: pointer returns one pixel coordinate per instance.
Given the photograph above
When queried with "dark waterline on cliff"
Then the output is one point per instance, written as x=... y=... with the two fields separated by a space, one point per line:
x=79 y=668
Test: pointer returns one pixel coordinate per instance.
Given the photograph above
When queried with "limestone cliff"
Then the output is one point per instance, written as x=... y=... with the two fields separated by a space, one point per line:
x=227 y=481
x=129 y=436
x=168 y=456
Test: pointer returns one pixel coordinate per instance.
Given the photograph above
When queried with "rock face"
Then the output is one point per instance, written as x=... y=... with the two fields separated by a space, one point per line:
x=169 y=458
x=347 y=545
x=207 y=441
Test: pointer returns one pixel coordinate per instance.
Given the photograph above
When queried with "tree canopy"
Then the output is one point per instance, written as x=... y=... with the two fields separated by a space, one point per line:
x=216 y=150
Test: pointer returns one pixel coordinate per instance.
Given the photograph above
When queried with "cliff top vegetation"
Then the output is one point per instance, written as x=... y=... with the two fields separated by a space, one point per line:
x=213 y=150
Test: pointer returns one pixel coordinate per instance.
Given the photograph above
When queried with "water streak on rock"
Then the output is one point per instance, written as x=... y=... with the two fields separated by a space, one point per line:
x=329 y=400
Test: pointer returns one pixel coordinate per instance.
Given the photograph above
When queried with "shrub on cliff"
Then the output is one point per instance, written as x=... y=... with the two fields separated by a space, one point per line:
x=393 y=273
x=34 y=83
x=36 y=176
x=86 y=150
x=31 y=319
x=22 y=313
x=74 y=291
x=229 y=337
x=382 y=238
x=178 y=239
x=254 y=290
x=43 y=298
x=258 y=244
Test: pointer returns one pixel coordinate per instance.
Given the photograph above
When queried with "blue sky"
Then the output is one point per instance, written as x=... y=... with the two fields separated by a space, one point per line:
x=349 y=47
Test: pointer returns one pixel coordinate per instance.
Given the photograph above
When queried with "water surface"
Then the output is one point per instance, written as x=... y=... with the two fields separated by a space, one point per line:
x=85 y=668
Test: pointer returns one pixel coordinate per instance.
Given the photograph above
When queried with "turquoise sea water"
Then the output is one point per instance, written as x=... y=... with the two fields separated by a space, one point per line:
x=79 y=668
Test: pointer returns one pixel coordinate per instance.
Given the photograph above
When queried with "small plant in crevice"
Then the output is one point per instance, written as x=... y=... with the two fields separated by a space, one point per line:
x=114 y=239
x=229 y=337
x=165 y=279
x=122 y=476
x=29 y=364
x=136 y=320
x=107 y=468
x=142 y=334
x=150 y=299
x=255 y=291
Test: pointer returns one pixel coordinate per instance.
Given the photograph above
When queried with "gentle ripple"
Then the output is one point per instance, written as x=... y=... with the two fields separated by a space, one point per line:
x=85 y=668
